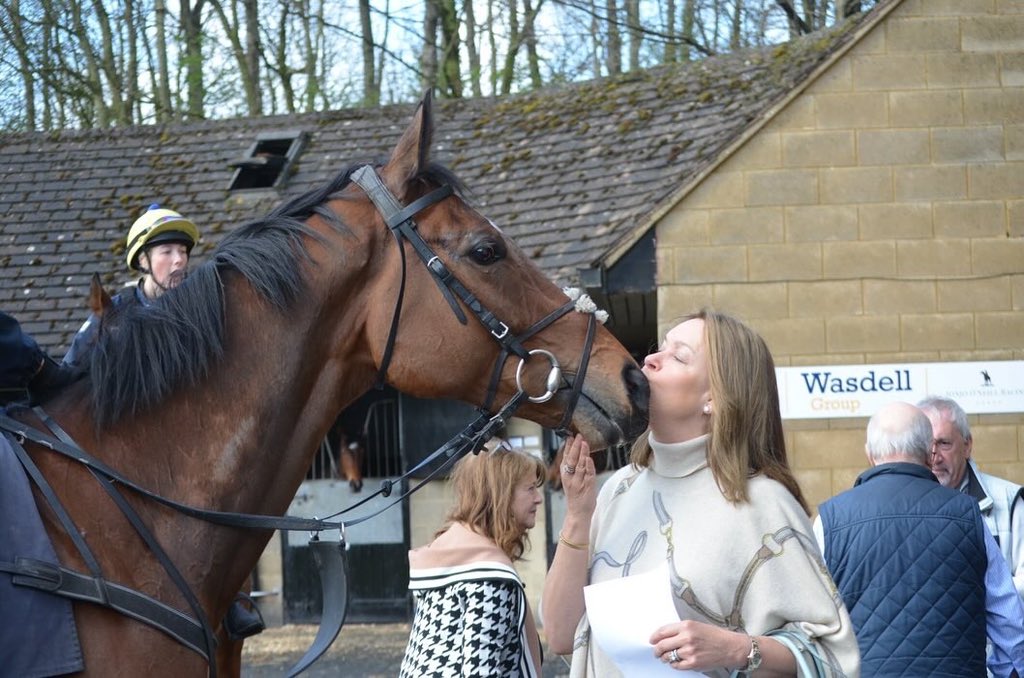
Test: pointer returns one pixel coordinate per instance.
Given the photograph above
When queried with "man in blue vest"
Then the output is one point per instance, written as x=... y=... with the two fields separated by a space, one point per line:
x=1001 y=501
x=920 y=575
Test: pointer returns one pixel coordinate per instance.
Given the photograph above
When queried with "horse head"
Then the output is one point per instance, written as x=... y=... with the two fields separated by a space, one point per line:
x=438 y=353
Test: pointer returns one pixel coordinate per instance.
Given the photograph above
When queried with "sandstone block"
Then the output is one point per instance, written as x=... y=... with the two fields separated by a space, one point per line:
x=853 y=185
x=938 y=258
x=893 y=297
x=820 y=223
x=972 y=219
x=824 y=298
x=893 y=147
x=935 y=331
x=789 y=261
x=983 y=294
x=745 y=225
x=895 y=220
x=781 y=187
x=818 y=149
x=866 y=259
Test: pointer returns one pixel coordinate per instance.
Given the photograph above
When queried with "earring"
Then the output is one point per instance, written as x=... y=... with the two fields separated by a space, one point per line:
x=707 y=408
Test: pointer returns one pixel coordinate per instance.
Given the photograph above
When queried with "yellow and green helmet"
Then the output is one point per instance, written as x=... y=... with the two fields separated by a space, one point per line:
x=158 y=225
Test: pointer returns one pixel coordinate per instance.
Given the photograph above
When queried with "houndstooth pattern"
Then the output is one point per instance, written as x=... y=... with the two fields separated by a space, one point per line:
x=468 y=628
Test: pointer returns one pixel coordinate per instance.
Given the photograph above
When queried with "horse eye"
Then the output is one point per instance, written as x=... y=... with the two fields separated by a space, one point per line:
x=487 y=253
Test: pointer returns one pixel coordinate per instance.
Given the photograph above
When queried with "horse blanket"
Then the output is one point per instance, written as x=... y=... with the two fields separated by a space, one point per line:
x=37 y=629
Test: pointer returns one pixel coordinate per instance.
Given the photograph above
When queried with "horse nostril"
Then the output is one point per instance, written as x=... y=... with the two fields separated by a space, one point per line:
x=639 y=396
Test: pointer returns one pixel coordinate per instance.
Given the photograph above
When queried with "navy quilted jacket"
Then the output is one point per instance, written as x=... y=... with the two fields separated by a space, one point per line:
x=908 y=556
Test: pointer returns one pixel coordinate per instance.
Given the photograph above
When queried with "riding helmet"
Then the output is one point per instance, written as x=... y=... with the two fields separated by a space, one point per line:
x=156 y=226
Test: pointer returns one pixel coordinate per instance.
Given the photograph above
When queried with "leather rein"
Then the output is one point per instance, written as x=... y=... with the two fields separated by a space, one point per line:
x=197 y=633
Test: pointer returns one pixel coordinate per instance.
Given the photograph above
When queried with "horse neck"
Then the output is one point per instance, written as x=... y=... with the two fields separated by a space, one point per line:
x=241 y=440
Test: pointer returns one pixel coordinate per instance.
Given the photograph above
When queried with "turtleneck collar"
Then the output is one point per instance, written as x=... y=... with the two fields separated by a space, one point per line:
x=676 y=460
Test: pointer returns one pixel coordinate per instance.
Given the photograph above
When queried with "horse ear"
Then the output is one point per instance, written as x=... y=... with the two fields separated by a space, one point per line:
x=413 y=149
x=99 y=300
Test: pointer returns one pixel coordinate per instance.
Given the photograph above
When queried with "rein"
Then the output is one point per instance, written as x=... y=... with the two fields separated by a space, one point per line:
x=196 y=633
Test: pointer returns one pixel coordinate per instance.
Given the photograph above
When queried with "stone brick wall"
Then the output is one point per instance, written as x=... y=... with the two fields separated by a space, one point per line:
x=877 y=217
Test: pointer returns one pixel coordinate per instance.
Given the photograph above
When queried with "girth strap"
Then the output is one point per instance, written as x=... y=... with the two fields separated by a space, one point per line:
x=58 y=580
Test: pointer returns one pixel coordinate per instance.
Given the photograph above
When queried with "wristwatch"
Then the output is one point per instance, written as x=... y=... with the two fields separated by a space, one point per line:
x=754 y=658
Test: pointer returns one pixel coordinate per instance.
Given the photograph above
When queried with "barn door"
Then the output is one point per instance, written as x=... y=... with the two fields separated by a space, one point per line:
x=378 y=564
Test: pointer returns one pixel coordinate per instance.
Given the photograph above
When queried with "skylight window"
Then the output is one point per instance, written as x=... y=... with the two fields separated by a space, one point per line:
x=268 y=162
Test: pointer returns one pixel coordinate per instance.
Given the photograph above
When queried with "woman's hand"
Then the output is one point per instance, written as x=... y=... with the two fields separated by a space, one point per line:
x=578 y=478
x=700 y=647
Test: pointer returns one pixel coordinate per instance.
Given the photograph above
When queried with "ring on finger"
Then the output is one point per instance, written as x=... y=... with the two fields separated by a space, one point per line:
x=568 y=469
x=673 y=656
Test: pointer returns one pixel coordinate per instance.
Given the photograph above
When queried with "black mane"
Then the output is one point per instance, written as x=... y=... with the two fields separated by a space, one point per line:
x=144 y=353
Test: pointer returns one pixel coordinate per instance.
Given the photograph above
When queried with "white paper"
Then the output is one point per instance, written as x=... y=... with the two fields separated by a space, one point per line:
x=623 y=613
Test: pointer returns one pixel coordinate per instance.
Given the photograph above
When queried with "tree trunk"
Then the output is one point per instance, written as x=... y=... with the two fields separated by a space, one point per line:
x=162 y=83
x=108 y=65
x=508 y=72
x=671 y=51
x=133 y=110
x=614 y=59
x=191 y=26
x=428 y=56
x=687 y=33
x=253 y=50
x=371 y=89
x=736 y=33
x=451 y=69
x=635 y=33
x=493 y=44
x=471 y=50
x=530 y=38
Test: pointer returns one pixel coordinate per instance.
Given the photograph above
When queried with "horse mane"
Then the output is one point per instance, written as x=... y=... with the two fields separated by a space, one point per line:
x=144 y=353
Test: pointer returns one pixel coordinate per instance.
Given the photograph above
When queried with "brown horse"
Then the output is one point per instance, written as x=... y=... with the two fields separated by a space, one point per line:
x=219 y=393
x=351 y=457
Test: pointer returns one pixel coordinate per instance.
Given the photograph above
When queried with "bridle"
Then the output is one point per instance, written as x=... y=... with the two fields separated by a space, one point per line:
x=197 y=634
x=401 y=223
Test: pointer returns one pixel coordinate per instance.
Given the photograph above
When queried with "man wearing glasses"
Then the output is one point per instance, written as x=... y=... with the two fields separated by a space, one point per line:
x=1001 y=501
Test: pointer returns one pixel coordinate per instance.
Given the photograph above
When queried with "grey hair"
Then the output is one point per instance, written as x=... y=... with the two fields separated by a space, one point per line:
x=886 y=442
x=950 y=409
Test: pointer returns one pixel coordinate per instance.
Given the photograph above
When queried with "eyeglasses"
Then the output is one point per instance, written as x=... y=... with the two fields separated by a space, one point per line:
x=943 y=445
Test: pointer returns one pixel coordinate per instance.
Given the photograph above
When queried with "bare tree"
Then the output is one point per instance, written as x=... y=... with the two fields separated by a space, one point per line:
x=191 y=27
x=450 y=72
x=635 y=32
x=529 y=36
x=371 y=86
x=614 y=41
x=428 y=57
x=12 y=26
x=472 y=52
x=247 y=56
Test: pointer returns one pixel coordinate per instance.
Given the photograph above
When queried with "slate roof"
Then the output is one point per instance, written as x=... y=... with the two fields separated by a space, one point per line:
x=567 y=171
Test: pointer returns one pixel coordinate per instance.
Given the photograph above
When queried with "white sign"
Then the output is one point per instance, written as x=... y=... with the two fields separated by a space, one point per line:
x=835 y=391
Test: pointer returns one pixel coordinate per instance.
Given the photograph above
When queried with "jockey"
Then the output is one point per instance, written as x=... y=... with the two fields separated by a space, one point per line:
x=158 y=246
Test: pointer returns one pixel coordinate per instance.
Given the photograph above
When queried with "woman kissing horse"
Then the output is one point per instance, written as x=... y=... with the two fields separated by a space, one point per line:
x=218 y=395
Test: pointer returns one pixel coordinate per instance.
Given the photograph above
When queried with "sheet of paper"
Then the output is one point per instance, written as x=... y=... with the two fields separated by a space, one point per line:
x=623 y=614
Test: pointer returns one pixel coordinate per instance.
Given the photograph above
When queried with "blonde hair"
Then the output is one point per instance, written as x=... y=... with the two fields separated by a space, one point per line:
x=746 y=427
x=485 y=485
